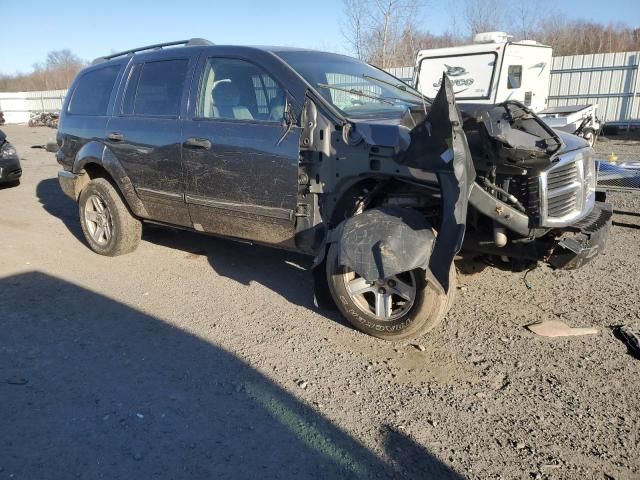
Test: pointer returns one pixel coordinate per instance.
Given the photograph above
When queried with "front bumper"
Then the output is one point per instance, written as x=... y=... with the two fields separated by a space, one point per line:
x=585 y=239
x=10 y=170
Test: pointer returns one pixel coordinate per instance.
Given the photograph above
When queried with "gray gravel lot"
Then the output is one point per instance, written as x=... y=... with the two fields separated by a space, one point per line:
x=201 y=358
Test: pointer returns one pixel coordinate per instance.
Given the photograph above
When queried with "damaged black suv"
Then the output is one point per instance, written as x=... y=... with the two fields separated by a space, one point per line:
x=329 y=156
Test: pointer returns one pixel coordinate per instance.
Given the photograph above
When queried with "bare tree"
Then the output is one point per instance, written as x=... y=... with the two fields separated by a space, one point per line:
x=355 y=26
x=56 y=72
x=484 y=15
x=525 y=18
x=376 y=29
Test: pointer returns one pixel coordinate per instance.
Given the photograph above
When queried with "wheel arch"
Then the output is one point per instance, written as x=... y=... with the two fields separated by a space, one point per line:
x=96 y=160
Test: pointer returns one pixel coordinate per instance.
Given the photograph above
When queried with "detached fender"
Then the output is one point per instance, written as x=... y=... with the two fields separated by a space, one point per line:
x=439 y=145
x=383 y=242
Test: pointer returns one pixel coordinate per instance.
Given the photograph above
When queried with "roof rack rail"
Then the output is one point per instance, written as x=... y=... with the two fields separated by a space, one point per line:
x=192 y=42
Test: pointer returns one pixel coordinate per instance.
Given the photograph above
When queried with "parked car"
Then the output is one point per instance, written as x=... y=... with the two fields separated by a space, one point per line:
x=329 y=156
x=10 y=169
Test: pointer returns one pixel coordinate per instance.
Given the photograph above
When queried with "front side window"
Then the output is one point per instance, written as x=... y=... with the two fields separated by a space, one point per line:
x=239 y=90
x=514 y=76
x=354 y=87
x=91 y=96
x=155 y=88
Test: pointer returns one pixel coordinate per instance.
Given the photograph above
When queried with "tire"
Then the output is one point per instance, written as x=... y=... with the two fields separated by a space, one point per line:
x=107 y=224
x=426 y=309
x=590 y=136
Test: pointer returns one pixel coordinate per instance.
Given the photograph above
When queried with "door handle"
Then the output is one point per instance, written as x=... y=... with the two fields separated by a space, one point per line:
x=193 y=142
x=115 y=137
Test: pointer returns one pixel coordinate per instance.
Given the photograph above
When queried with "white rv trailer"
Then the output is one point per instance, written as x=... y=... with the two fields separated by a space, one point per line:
x=491 y=70
x=495 y=69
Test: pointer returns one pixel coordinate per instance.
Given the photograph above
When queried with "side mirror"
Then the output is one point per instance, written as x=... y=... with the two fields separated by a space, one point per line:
x=51 y=147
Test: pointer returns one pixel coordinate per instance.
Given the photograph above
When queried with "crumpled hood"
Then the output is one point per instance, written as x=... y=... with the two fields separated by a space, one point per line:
x=570 y=142
x=509 y=133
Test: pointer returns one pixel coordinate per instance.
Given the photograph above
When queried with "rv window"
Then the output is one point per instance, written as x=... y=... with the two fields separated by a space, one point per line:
x=514 y=76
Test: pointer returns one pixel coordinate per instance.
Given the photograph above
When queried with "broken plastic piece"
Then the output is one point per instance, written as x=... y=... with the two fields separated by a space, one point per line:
x=556 y=328
x=631 y=336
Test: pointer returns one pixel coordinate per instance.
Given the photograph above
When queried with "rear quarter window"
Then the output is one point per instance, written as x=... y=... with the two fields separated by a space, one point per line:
x=91 y=95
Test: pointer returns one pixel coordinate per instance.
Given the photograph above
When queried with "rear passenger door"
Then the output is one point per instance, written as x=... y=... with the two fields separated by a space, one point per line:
x=145 y=131
x=240 y=157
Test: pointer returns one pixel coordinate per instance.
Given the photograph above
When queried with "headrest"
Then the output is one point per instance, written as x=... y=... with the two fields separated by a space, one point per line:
x=225 y=94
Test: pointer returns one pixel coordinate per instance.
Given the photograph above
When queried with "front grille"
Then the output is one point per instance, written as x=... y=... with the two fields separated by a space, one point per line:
x=562 y=204
x=564 y=196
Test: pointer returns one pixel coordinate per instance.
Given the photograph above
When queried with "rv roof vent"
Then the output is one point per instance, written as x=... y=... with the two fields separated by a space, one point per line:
x=528 y=42
x=491 y=37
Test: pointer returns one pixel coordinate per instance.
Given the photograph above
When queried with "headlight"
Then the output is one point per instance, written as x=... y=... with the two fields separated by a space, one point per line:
x=590 y=173
x=7 y=151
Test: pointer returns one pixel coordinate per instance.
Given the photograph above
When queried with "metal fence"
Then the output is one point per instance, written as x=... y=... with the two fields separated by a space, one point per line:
x=609 y=80
x=18 y=106
x=403 y=73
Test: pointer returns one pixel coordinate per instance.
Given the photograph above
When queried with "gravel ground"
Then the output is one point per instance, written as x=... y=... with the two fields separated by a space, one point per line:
x=625 y=146
x=200 y=358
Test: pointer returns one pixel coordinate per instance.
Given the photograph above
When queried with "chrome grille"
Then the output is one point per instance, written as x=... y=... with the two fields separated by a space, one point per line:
x=565 y=190
x=563 y=184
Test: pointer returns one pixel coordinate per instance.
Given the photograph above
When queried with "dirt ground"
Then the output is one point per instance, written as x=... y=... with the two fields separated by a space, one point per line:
x=201 y=358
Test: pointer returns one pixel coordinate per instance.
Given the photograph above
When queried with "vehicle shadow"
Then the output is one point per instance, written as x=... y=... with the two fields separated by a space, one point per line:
x=92 y=388
x=59 y=205
x=284 y=272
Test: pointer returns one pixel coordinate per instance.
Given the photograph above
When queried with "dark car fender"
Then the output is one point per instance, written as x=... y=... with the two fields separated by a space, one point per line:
x=381 y=243
x=99 y=154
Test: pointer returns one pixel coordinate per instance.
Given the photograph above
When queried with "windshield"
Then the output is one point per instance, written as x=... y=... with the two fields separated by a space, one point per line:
x=354 y=87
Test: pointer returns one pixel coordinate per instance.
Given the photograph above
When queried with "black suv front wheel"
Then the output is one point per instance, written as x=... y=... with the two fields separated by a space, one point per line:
x=108 y=226
x=395 y=308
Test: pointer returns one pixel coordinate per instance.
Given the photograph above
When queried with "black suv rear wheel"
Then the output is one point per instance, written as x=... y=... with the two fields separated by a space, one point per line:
x=108 y=226
x=399 y=307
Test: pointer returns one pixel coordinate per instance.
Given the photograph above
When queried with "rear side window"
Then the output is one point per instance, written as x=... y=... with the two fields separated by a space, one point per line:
x=91 y=96
x=155 y=88
x=514 y=76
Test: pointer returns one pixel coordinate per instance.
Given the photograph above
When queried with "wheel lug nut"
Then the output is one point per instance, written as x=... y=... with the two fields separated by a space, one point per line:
x=382 y=291
x=391 y=283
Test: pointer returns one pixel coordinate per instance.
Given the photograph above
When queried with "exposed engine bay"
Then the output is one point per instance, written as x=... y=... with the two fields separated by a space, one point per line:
x=488 y=179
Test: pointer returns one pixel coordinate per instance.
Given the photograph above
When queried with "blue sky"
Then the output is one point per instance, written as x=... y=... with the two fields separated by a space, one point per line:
x=32 y=28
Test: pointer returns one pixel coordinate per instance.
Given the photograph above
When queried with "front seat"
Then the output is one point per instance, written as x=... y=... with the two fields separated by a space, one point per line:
x=226 y=102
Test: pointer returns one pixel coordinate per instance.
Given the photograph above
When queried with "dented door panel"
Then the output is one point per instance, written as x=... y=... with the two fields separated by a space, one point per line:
x=245 y=184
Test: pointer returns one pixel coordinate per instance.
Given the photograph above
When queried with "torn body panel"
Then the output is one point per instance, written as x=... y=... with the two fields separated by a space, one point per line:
x=511 y=136
x=383 y=242
x=376 y=245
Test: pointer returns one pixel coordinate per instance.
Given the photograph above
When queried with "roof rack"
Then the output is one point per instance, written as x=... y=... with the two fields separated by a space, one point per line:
x=192 y=42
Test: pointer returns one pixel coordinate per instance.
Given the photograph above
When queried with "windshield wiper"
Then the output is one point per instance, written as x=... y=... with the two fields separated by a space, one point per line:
x=399 y=86
x=356 y=92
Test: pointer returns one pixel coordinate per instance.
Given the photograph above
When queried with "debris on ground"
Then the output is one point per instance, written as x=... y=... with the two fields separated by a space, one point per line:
x=556 y=328
x=631 y=336
x=44 y=119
